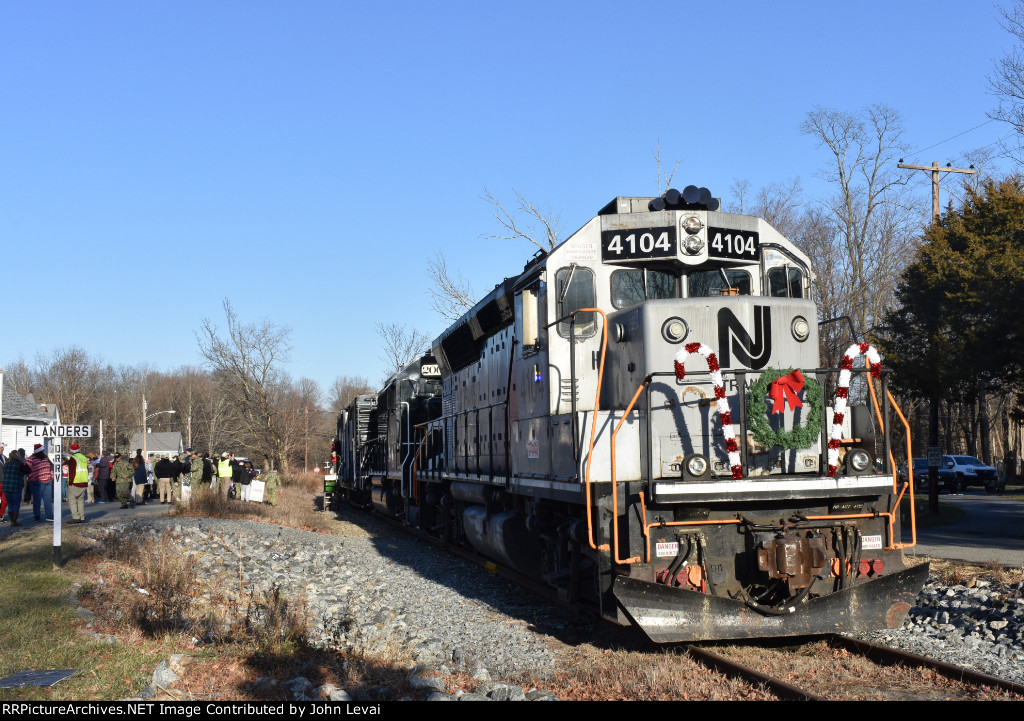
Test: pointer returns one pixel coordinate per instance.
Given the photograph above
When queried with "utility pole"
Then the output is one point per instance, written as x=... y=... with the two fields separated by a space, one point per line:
x=933 y=414
x=934 y=169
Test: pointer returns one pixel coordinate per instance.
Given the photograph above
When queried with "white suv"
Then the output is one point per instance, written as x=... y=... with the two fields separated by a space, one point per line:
x=972 y=472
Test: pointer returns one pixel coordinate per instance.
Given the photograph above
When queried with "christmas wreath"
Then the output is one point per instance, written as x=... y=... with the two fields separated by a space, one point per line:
x=757 y=411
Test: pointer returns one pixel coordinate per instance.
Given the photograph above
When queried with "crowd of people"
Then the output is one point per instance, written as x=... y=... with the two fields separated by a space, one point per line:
x=113 y=477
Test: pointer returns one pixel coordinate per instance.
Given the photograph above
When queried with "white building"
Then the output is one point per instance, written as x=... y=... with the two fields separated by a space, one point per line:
x=16 y=413
x=158 y=444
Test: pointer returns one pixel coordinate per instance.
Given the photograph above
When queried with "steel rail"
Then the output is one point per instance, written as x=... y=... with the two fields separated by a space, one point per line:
x=887 y=655
x=731 y=668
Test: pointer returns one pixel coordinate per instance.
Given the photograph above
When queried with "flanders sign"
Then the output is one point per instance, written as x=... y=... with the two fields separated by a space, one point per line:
x=56 y=431
x=56 y=434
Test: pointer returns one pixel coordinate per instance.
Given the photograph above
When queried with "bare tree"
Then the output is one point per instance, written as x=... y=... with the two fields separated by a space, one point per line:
x=246 y=364
x=401 y=345
x=18 y=376
x=528 y=229
x=71 y=379
x=451 y=296
x=344 y=390
x=834 y=293
x=1007 y=81
x=869 y=210
x=129 y=384
x=302 y=422
x=981 y=159
x=780 y=205
x=740 y=188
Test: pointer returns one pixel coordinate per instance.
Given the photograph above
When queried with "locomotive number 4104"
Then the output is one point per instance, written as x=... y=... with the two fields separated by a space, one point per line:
x=638 y=243
x=725 y=243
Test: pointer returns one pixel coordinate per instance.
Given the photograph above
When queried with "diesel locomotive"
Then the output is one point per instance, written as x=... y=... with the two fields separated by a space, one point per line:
x=639 y=420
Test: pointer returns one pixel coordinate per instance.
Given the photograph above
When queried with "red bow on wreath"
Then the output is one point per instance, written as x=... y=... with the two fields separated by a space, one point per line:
x=785 y=390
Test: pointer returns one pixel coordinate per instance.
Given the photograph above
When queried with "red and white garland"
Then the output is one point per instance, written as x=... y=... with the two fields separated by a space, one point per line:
x=724 y=415
x=843 y=392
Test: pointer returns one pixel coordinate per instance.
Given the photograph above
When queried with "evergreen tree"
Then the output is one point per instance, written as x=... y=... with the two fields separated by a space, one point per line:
x=958 y=331
x=960 y=321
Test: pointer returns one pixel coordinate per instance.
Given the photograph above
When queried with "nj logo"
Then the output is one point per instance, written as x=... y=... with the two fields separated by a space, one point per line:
x=734 y=339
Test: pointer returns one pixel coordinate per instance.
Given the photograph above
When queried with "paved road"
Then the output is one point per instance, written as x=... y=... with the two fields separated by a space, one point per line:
x=992 y=529
x=93 y=512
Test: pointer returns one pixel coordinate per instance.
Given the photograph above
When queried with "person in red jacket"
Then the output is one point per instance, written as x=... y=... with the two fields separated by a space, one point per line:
x=41 y=480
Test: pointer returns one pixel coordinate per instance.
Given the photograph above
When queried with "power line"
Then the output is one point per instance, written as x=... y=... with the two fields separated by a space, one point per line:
x=997 y=141
x=921 y=150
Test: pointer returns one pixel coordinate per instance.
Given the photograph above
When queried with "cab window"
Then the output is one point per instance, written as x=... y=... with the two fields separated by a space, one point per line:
x=785 y=283
x=631 y=286
x=708 y=283
x=574 y=288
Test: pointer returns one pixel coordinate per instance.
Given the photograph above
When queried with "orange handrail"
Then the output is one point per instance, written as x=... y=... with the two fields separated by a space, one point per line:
x=593 y=425
x=643 y=508
x=889 y=515
x=910 y=479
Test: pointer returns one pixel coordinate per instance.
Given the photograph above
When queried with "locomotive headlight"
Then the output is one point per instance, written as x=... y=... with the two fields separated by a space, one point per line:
x=858 y=460
x=692 y=224
x=800 y=328
x=693 y=245
x=696 y=467
x=674 y=330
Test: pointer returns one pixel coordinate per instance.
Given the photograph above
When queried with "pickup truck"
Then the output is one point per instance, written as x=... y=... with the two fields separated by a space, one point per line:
x=969 y=471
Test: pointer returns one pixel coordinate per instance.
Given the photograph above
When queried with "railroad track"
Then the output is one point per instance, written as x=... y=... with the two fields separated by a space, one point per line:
x=958 y=683
x=884 y=654
x=955 y=683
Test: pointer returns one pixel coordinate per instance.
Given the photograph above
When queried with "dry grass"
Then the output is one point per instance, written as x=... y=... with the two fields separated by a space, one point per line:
x=146 y=595
x=953 y=573
x=603 y=674
x=153 y=589
x=141 y=592
x=39 y=628
x=839 y=674
x=298 y=504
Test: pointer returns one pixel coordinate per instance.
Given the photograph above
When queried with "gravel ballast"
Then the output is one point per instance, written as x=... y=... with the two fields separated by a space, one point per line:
x=390 y=592
x=980 y=628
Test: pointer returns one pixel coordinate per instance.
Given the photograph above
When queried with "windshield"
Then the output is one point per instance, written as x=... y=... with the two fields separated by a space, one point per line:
x=968 y=461
x=709 y=283
x=633 y=286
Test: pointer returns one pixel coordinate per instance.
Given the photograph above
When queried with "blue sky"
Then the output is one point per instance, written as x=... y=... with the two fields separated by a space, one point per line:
x=306 y=159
